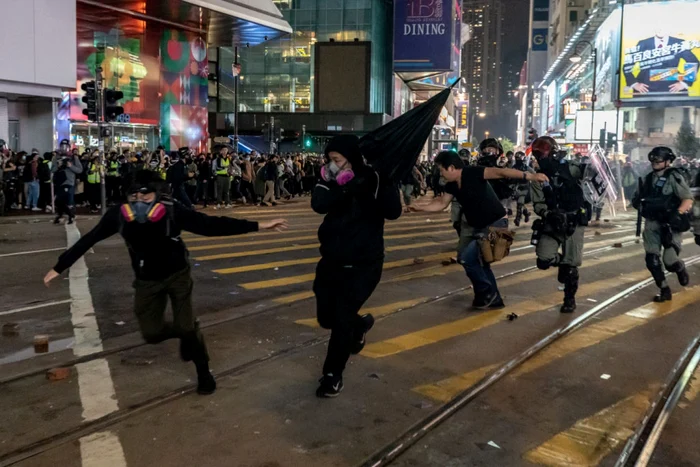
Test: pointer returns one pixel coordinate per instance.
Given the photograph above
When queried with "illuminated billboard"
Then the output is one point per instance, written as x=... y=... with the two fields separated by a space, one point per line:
x=424 y=35
x=661 y=52
x=608 y=46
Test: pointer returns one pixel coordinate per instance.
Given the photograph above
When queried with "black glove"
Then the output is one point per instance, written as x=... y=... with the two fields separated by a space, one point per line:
x=697 y=239
x=556 y=219
x=679 y=222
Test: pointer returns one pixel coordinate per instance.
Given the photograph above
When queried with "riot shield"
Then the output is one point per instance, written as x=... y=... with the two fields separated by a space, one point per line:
x=598 y=180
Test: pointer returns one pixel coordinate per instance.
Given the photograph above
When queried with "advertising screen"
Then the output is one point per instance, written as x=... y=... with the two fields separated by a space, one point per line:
x=607 y=44
x=423 y=35
x=661 y=51
x=606 y=120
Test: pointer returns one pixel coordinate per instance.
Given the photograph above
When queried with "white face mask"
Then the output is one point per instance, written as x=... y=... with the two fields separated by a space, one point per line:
x=335 y=168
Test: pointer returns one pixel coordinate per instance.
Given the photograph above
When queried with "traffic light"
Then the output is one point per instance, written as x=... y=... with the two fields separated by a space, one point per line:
x=112 y=107
x=90 y=98
x=307 y=142
x=612 y=140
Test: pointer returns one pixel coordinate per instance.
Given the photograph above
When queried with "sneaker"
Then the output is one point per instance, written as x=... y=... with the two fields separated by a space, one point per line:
x=57 y=220
x=485 y=302
x=361 y=334
x=330 y=386
x=569 y=306
x=35 y=209
x=206 y=385
x=26 y=207
x=218 y=206
x=228 y=206
x=49 y=209
x=497 y=305
x=664 y=295
x=70 y=220
x=14 y=206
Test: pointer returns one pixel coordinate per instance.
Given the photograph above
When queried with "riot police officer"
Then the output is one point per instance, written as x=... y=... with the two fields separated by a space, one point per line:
x=521 y=189
x=563 y=213
x=665 y=200
x=491 y=155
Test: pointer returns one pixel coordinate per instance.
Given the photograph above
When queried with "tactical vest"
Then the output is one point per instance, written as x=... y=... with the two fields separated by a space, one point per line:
x=113 y=169
x=656 y=206
x=567 y=191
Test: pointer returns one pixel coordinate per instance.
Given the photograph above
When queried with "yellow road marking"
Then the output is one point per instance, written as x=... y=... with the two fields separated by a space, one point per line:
x=589 y=336
x=295 y=297
x=240 y=254
x=282 y=281
x=307 y=237
x=395 y=226
x=294 y=262
x=375 y=311
x=471 y=324
x=591 y=439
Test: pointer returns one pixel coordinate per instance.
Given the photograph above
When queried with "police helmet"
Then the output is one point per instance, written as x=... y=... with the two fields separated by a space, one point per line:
x=545 y=145
x=661 y=153
x=491 y=143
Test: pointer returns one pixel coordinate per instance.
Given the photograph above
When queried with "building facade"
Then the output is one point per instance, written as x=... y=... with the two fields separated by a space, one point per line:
x=481 y=58
x=156 y=54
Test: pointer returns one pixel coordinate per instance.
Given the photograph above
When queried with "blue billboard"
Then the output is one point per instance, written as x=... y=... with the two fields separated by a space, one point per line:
x=540 y=10
x=424 y=35
x=539 y=39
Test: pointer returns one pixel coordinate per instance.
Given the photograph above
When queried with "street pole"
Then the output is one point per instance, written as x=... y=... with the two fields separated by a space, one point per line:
x=593 y=97
x=235 y=100
x=100 y=126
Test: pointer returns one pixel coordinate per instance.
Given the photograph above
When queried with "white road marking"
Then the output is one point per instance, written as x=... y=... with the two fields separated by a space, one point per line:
x=97 y=394
x=30 y=252
x=102 y=450
x=33 y=307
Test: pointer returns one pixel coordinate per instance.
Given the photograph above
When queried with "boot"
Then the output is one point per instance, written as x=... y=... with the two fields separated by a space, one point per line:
x=526 y=213
x=568 y=275
x=681 y=272
x=664 y=296
x=517 y=220
x=206 y=384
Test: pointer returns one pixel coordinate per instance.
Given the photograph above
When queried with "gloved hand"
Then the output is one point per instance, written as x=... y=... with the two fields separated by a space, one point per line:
x=679 y=222
x=555 y=219
x=697 y=239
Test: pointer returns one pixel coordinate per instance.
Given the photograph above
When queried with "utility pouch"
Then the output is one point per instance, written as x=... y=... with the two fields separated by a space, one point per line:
x=496 y=245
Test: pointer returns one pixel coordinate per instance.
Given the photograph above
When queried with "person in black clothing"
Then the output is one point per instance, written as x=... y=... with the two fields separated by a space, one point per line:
x=203 y=179
x=355 y=203
x=271 y=175
x=151 y=229
x=481 y=209
x=177 y=176
x=491 y=155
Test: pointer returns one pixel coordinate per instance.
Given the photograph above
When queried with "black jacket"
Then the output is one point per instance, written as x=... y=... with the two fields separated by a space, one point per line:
x=156 y=249
x=352 y=233
x=177 y=174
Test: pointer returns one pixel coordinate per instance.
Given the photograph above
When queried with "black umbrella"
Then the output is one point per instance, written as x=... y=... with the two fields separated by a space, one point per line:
x=394 y=148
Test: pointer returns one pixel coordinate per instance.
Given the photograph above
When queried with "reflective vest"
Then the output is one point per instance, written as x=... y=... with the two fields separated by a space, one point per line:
x=93 y=173
x=223 y=165
x=113 y=169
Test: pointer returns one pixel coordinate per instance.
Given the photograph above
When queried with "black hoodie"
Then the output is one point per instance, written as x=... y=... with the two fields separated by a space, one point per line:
x=352 y=233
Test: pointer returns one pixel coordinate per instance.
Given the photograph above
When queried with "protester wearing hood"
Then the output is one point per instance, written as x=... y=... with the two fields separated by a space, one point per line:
x=151 y=225
x=355 y=203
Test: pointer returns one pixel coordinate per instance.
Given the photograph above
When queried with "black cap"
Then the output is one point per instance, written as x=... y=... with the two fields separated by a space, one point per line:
x=348 y=146
x=145 y=181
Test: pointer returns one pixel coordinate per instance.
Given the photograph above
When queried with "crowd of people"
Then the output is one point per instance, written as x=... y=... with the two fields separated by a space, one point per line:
x=220 y=178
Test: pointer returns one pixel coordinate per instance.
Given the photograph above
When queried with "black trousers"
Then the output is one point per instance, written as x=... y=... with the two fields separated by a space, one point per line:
x=340 y=293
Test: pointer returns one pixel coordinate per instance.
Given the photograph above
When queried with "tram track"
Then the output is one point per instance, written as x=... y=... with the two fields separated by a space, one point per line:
x=74 y=433
x=640 y=447
x=400 y=445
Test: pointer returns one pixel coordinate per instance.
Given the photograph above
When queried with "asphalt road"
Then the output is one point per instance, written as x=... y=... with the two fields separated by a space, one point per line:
x=124 y=403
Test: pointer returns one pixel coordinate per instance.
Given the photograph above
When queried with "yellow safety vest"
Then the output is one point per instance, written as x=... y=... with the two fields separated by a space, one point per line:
x=224 y=170
x=113 y=169
x=93 y=174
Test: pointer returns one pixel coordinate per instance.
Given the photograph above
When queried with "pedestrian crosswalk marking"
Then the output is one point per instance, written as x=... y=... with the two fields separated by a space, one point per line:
x=294 y=262
x=300 y=279
x=240 y=254
x=589 y=336
x=461 y=327
x=591 y=439
x=295 y=297
x=376 y=311
x=236 y=244
x=391 y=227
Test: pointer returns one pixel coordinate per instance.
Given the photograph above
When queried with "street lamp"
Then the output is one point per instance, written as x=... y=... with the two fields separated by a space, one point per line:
x=471 y=122
x=576 y=58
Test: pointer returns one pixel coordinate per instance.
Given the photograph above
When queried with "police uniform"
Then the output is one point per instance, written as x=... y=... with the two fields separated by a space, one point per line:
x=521 y=192
x=659 y=197
x=564 y=215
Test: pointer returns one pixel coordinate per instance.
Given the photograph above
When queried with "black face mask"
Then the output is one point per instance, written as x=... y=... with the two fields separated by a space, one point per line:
x=546 y=164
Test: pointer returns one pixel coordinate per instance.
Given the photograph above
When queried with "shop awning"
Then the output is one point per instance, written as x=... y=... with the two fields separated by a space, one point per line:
x=223 y=22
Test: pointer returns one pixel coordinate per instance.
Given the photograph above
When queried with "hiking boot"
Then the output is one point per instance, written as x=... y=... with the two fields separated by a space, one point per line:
x=683 y=277
x=664 y=295
x=569 y=306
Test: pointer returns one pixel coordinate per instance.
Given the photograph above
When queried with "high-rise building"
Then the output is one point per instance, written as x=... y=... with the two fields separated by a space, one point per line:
x=481 y=62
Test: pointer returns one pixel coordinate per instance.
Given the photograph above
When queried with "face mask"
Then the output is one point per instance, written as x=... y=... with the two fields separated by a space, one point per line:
x=335 y=168
x=141 y=211
x=546 y=164
x=442 y=181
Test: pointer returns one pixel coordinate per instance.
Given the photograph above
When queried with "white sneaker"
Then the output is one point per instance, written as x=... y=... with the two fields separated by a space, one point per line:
x=228 y=206
x=49 y=209
x=36 y=209
x=14 y=206
x=218 y=206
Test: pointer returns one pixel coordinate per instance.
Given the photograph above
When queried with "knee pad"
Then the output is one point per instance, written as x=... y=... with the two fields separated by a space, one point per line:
x=653 y=261
x=544 y=264
x=676 y=267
